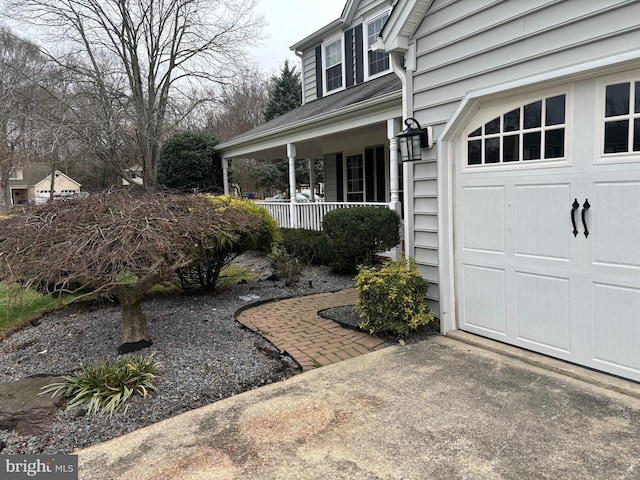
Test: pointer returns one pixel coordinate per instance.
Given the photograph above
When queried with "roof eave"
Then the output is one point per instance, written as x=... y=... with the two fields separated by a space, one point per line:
x=318 y=36
x=402 y=24
x=265 y=135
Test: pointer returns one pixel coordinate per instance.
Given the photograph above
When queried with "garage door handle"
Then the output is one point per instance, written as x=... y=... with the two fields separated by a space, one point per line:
x=585 y=207
x=575 y=206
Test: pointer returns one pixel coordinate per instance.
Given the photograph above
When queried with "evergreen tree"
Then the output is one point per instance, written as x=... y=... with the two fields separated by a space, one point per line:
x=285 y=93
x=275 y=173
x=189 y=164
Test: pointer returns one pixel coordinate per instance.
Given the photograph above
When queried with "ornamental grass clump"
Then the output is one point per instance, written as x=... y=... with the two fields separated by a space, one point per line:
x=391 y=299
x=106 y=387
x=286 y=266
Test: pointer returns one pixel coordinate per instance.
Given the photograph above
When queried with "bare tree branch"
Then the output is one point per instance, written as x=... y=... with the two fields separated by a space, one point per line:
x=131 y=58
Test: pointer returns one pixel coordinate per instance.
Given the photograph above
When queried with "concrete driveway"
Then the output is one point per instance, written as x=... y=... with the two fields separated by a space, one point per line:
x=441 y=409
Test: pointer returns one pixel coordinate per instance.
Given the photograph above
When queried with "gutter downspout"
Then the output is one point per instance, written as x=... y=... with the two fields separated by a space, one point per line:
x=396 y=66
x=400 y=72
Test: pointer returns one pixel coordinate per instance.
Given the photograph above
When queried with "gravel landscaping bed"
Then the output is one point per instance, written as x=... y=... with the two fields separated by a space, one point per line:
x=349 y=318
x=207 y=355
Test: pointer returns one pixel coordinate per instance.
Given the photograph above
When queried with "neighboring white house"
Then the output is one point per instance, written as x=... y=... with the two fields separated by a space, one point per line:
x=525 y=216
x=32 y=185
x=136 y=173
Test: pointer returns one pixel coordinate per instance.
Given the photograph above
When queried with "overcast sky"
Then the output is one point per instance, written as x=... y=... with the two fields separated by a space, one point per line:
x=289 y=21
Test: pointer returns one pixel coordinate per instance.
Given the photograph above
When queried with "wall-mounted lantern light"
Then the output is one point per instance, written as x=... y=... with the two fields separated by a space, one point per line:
x=413 y=139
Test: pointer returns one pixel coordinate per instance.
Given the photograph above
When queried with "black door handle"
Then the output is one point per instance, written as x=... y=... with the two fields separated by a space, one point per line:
x=575 y=205
x=585 y=207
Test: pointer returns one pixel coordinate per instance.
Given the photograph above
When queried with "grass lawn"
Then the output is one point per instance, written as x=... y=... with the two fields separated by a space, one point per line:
x=19 y=305
x=233 y=274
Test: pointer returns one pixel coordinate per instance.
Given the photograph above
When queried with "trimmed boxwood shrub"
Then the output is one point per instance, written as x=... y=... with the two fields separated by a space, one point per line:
x=356 y=235
x=309 y=246
x=391 y=300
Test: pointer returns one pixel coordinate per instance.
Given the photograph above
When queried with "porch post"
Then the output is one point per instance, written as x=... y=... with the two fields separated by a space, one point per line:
x=393 y=128
x=291 y=153
x=225 y=175
x=312 y=178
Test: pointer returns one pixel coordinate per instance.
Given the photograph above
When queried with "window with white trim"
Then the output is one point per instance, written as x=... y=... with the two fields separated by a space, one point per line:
x=333 y=65
x=378 y=62
x=355 y=178
x=535 y=131
x=622 y=118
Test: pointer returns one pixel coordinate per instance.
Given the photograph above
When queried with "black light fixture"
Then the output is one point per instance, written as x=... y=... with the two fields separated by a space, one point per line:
x=413 y=139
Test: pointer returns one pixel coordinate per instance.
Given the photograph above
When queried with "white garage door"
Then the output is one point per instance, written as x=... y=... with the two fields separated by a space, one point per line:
x=547 y=223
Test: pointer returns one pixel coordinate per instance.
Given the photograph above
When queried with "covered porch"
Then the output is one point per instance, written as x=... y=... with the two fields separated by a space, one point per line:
x=352 y=132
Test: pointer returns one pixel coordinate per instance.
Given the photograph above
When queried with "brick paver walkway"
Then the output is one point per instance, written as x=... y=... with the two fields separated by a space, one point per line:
x=293 y=325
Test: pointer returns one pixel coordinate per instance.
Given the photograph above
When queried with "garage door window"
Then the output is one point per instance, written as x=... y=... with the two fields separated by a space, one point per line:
x=622 y=118
x=535 y=131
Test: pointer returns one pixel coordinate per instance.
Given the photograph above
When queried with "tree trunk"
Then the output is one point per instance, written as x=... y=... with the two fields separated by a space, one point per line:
x=5 y=191
x=134 y=323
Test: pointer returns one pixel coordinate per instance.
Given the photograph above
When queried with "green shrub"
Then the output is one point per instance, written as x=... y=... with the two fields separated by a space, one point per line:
x=188 y=163
x=106 y=387
x=212 y=257
x=265 y=231
x=286 y=266
x=309 y=246
x=355 y=235
x=391 y=299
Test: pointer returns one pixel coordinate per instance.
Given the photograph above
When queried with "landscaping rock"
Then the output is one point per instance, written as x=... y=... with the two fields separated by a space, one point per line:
x=23 y=410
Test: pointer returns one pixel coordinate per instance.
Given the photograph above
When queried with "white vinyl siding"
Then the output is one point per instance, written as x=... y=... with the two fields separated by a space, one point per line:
x=466 y=46
x=460 y=50
x=309 y=75
x=330 y=178
x=365 y=7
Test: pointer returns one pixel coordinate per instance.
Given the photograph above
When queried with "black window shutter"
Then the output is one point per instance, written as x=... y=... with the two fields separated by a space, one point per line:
x=339 y=177
x=380 y=175
x=369 y=175
x=359 y=54
x=319 y=71
x=348 y=57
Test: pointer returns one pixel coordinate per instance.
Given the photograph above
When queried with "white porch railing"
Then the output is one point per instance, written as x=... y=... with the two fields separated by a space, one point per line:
x=308 y=215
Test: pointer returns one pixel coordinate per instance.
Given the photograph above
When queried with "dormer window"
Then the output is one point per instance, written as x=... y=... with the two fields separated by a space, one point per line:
x=333 y=65
x=15 y=174
x=378 y=62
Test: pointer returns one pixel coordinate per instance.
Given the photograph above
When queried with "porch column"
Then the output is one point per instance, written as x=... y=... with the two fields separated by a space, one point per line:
x=291 y=153
x=225 y=175
x=312 y=179
x=393 y=128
